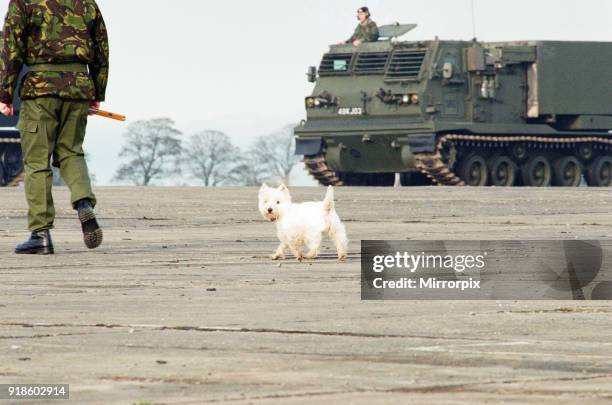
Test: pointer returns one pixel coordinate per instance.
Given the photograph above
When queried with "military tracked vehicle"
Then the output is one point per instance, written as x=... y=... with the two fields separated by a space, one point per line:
x=11 y=162
x=530 y=113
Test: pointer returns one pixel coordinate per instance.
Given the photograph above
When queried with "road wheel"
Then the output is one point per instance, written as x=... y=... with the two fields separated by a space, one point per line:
x=519 y=151
x=585 y=151
x=502 y=171
x=474 y=171
x=567 y=172
x=536 y=172
x=600 y=172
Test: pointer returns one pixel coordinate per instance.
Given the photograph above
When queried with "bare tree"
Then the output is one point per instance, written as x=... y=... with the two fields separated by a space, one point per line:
x=248 y=171
x=152 y=149
x=276 y=153
x=210 y=157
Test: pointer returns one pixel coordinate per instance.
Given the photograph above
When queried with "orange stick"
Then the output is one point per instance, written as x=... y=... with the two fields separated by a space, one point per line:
x=107 y=114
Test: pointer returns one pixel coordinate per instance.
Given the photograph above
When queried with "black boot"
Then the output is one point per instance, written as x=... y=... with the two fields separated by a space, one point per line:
x=92 y=234
x=39 y=244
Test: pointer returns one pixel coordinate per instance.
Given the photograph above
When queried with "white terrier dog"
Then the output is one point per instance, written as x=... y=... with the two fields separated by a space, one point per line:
x=299 y=225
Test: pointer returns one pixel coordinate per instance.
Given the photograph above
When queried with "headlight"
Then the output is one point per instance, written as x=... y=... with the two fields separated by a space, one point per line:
x=317 y=102
x=406 y=99
x=414 y=99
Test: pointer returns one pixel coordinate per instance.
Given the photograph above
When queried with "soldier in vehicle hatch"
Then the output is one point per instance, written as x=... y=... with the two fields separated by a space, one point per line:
x=366 y=31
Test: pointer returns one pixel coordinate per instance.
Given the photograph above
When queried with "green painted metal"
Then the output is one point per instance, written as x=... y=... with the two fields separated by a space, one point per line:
x=546 y=88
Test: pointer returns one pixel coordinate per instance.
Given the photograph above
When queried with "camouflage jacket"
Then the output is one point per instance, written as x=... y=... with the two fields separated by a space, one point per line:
x=54 y=32
x=367 y=32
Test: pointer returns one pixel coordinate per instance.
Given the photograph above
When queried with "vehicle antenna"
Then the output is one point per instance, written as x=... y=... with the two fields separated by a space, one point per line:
x=473 y=19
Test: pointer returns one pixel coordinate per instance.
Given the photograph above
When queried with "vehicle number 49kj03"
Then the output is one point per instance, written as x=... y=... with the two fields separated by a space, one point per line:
x=350 y=111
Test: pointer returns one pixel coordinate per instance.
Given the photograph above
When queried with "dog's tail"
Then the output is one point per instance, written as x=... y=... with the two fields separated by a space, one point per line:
x=328 y=202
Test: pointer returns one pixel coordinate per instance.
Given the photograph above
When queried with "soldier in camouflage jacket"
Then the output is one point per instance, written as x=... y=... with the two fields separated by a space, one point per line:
x=366 y=30
x=54 y=32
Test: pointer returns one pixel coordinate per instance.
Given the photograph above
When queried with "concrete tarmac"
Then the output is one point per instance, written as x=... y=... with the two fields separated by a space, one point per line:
x=181 y=304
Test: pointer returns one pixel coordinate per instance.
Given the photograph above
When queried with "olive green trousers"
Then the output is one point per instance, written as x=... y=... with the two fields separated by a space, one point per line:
x=52 y=127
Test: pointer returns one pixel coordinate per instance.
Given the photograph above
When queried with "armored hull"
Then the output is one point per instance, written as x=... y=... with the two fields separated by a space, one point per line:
x=534 y=113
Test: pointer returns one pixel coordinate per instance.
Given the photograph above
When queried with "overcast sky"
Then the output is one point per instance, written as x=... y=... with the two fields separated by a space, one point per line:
x=239 y=66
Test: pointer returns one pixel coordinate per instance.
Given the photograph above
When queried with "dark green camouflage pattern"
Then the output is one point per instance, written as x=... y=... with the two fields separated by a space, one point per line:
x=367 y=32
x=56 y=32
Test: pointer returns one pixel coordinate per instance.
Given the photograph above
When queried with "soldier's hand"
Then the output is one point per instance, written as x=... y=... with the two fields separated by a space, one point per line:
x=7 y=109
x=357 y=42
x=93 y=105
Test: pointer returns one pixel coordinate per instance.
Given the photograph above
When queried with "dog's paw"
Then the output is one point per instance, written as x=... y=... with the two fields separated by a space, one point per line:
x=276 y=257
x=342 y=259
x=300 y=259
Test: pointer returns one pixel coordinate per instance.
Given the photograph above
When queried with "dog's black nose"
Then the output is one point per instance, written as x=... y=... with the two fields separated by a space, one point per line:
x=270 y=210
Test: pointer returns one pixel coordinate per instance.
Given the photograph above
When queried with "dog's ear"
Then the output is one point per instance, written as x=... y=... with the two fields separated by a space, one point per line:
x=263 y=188
x=283 y=189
